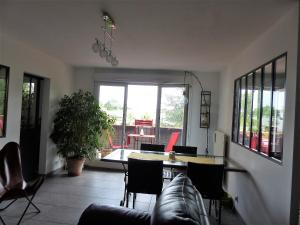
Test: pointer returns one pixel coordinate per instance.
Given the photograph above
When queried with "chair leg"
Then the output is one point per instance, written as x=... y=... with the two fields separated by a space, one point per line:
x=8 y=204
x=220 y=211
x=133 y=200
x=2 y=221
x=127 y=198
x=209 y=209
x=29 y=203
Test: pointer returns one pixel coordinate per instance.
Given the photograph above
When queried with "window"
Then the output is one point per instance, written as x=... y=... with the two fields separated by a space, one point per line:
x=144 y=113
x=4 y=73
x=258 y=114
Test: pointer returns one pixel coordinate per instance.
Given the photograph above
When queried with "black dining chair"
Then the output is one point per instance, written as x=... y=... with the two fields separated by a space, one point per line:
x=144 y=176
x=191 y=150
x=12 y=184
x=208 y=179
x=152 y=147
x=167 y=172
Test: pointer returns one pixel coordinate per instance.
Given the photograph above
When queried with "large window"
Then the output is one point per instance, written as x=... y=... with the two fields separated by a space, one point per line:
x=144 y=113
x=258 y=114
x=4 y=73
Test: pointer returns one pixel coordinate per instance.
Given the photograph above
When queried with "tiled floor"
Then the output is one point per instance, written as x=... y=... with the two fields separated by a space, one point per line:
x=62 y=199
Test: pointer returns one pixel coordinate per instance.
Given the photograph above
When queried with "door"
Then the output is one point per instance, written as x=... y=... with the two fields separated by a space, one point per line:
x=173 y=114
x=30 y=125
x=112 y=101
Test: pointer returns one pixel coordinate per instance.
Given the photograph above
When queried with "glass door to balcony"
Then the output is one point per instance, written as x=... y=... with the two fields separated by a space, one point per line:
x=145 y=113
x=112 y=101
x=172 y=115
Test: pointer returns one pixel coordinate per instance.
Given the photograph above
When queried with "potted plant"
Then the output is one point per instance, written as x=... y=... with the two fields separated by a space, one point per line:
x=78 y=126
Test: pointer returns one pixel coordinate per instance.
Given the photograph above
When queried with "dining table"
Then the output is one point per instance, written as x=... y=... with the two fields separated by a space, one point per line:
x=179 y=162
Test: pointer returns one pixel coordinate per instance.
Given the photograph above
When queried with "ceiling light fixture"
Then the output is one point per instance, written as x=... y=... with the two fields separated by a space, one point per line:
x=104 y=48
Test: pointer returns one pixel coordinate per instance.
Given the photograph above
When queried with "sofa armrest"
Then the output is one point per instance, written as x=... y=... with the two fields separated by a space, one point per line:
x=112 y=215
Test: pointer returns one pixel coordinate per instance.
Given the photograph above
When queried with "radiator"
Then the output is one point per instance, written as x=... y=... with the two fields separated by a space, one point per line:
x=220 y=140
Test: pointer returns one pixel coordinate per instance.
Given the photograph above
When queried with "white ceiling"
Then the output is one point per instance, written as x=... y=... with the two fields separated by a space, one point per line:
x=202 y=35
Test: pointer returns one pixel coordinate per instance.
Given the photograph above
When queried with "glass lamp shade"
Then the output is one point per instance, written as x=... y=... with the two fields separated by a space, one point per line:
x=114 y=61
x=95 y=47
x=109 y=57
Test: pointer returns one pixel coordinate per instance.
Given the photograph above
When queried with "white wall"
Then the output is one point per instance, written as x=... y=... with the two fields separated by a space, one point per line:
x=59 y=81
x=85 y=79
x=264 y=194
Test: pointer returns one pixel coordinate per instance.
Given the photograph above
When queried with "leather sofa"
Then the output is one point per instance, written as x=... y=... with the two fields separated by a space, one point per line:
x=179 y=204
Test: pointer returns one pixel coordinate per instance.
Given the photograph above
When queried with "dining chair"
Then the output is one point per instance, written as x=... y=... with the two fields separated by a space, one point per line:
x=167 y=172
x=172 y=141
x=144 y=176
x=208 y=179
x=191 y=150
x=113 y=146
x=12 y=184
x=152 y=147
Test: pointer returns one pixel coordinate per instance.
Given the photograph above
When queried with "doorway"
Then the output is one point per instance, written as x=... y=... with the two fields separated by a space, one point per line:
x=30 y=125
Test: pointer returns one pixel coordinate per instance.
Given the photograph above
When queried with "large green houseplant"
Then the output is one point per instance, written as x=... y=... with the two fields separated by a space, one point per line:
x=79 y=125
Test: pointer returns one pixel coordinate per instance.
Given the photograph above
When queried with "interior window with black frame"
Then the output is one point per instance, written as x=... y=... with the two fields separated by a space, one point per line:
x=259 y=103
x=4 y=73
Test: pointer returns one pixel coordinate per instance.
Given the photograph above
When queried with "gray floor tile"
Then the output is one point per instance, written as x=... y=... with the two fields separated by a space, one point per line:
x=62 y=199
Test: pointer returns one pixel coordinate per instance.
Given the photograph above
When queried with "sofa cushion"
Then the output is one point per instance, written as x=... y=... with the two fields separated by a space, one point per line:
x=113 y=215
x=179 y=204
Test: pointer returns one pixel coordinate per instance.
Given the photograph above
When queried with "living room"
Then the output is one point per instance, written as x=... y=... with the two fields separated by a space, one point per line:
x=157 y=43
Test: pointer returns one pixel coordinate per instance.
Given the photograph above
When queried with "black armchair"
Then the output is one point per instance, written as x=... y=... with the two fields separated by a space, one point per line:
x=12 y=184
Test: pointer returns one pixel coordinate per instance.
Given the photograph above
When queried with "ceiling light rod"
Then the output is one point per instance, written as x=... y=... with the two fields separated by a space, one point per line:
x=107 y=34
x=103 y=48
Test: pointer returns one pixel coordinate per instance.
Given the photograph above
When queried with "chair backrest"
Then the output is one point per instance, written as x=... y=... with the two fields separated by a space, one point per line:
x=145 y=176
x=152 y=147
x=11 y=175
x=172 y=141
x=207 y=178
x=143 y=122
x=144 y=127
x=185 y=149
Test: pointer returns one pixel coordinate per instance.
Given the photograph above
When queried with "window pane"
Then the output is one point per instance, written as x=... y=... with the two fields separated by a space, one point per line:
x=278 y=108
x=111 y=100
x=266 y=110
x=236 y=111
x=171 y=113
x=141 y=115
x=3 y=99
x=242 y=109
x=249 y=109
x=256 y=110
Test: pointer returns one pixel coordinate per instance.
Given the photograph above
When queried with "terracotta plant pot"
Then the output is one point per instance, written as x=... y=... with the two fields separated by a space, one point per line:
x=75 y=166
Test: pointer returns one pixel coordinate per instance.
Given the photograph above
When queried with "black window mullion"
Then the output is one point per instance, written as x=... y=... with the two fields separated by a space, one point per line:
x=239 y=111
x=245 y=109
x=271 y=114
x=251 y=115
x=260 y=106
x=233 y=112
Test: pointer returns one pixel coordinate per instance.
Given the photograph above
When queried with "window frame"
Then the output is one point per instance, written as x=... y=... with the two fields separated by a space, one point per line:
x=237 y=99
x=160 y=86
x=5 y=103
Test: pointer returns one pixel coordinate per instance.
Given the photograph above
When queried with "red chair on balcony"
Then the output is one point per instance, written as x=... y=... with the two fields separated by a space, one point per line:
x=172 y=141
x=113 y=146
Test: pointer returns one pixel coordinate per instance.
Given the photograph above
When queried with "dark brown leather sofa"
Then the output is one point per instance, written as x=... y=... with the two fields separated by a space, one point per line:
x=179 y=204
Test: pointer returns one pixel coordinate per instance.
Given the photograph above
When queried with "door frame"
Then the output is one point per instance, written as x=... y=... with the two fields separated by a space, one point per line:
x=97 y=85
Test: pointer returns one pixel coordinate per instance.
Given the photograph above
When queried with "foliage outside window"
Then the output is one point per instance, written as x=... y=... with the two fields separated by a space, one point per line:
x=4 y=73
x=258 y=114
